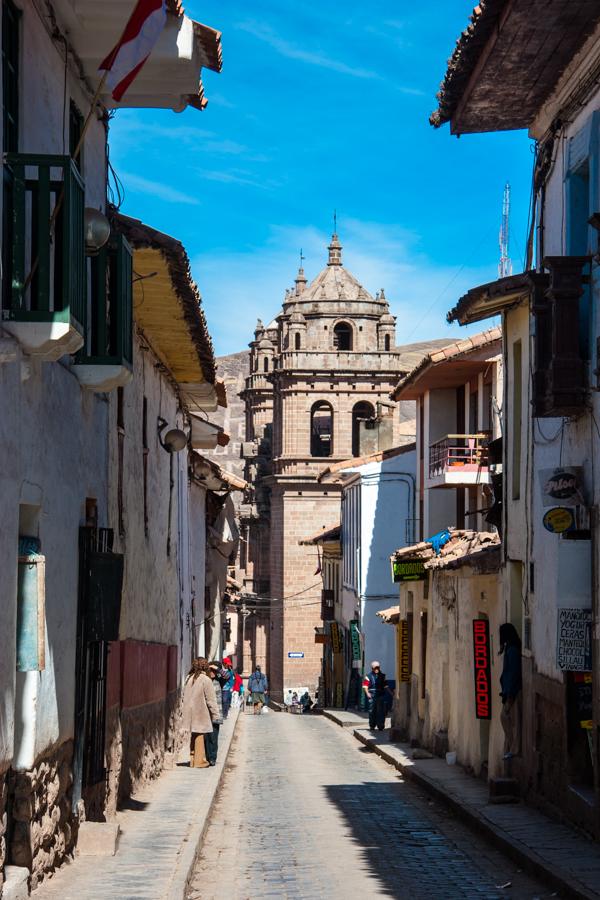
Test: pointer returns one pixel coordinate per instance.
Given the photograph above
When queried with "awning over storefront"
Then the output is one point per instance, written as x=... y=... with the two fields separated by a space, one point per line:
x=390 y=616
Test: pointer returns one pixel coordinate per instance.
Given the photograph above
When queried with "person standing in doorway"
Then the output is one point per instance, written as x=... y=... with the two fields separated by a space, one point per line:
x=228 y=685
x=211 y=739
x=375 y=687
x=199 y=710
x=511 y=683
x=258 y=687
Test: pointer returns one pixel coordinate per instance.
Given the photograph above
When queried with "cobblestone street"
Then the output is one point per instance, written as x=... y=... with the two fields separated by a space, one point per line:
x=305 y=812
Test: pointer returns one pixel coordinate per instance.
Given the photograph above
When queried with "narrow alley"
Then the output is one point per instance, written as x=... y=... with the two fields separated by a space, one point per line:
x=304 y=811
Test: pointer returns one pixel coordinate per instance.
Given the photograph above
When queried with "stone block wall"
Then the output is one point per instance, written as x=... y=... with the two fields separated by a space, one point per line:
x=43 y=826
x=3 y=823
x=295 y=585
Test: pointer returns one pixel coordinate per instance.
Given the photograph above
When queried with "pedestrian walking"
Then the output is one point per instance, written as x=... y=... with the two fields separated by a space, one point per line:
x=376 y=689
x=199 y=710
x=258 y=687
x=227 y=685
x=511 y=683
x=211 y=739
x=238 y=691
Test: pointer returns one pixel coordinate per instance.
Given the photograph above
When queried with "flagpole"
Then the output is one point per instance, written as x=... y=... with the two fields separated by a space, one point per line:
x=61 y=196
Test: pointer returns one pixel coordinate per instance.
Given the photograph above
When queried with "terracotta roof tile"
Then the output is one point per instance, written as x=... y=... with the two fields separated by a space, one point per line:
x=463 y=545
x=357 y=461
x=325 y=534
x=389 y=616
x=452 y=351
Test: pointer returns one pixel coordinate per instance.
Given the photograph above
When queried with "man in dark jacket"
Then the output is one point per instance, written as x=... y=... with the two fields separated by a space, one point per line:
x=375 y=687
x=511 y=683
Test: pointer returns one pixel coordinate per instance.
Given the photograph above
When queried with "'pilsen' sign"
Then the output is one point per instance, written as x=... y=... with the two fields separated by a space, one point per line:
x=482 y=669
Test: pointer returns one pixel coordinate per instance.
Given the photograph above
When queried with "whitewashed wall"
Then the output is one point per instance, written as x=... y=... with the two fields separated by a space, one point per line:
x=53 y=468
x=52 y=438
x=150 y=609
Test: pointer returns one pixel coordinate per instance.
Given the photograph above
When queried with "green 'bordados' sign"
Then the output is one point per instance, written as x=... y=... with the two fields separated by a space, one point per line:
x=413 y=570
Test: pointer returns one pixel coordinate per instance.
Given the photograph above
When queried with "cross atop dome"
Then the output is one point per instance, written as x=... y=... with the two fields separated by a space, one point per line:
x=335 y=251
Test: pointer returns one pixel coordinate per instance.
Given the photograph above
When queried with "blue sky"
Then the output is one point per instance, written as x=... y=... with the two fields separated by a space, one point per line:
x=323 y=106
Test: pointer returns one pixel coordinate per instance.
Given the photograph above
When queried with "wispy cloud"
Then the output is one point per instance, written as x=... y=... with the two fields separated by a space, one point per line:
x=252 y=280
x=238 y=177
x=156 y=189
x=291 y=51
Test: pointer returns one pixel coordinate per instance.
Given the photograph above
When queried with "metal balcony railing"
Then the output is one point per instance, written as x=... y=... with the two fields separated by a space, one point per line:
x=468 y=452
x=44 y=254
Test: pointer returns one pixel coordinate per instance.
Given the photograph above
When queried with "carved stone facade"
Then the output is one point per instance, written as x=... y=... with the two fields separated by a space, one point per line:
x=318 y=392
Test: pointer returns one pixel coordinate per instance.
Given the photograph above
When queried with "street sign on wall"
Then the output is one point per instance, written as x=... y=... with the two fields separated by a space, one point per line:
x=574 y=640
x=355 y=640
x=296 y=654
x=482 y=668
x=558 y=520
x=411 y=570
x=403 y=651
x=562 y=485
x=336 y=637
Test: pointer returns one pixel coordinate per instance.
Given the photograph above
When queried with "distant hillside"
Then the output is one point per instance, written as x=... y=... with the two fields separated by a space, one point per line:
x=233 y=370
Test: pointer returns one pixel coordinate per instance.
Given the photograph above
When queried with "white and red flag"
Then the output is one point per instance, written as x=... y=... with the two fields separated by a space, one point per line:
x=135 y=45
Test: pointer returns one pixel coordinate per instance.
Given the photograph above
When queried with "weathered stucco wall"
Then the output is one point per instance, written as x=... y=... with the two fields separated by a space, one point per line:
x=150 y=604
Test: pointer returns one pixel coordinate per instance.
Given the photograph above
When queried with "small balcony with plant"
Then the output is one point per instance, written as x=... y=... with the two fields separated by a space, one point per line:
x=459 y=460
x=43 y=255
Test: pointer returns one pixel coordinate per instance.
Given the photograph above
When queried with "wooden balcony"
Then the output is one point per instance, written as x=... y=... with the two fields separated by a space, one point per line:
x=43 y=255
x=459 y=460
x=105 y=361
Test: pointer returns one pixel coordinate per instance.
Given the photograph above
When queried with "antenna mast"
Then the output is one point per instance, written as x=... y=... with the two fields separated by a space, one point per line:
x=505 y=264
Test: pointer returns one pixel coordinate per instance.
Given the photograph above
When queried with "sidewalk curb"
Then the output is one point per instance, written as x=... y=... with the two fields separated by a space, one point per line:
x=335 y=718
x=518 y=852
x=192 y=842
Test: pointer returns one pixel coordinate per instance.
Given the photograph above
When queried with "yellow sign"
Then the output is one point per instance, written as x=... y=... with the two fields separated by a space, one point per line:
x=336 y=638
x=559 y=519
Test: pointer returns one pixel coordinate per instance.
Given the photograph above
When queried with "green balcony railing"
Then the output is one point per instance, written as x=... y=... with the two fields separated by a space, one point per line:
x=43 y=253
x=109 y=339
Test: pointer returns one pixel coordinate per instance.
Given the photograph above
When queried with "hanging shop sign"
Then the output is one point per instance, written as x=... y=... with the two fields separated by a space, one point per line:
x=559 y=519
x=355 y=640
x=336 y=637
x=562 y=485
x=409 y=570
x=482 y=668
x=404 y=650
x=574 y=640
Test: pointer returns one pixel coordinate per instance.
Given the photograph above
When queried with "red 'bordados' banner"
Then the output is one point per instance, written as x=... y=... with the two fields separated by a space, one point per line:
x=482 y=669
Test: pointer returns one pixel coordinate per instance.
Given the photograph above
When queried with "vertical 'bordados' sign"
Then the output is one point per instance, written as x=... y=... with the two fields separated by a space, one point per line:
x=482 y=669
x=404 y=650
